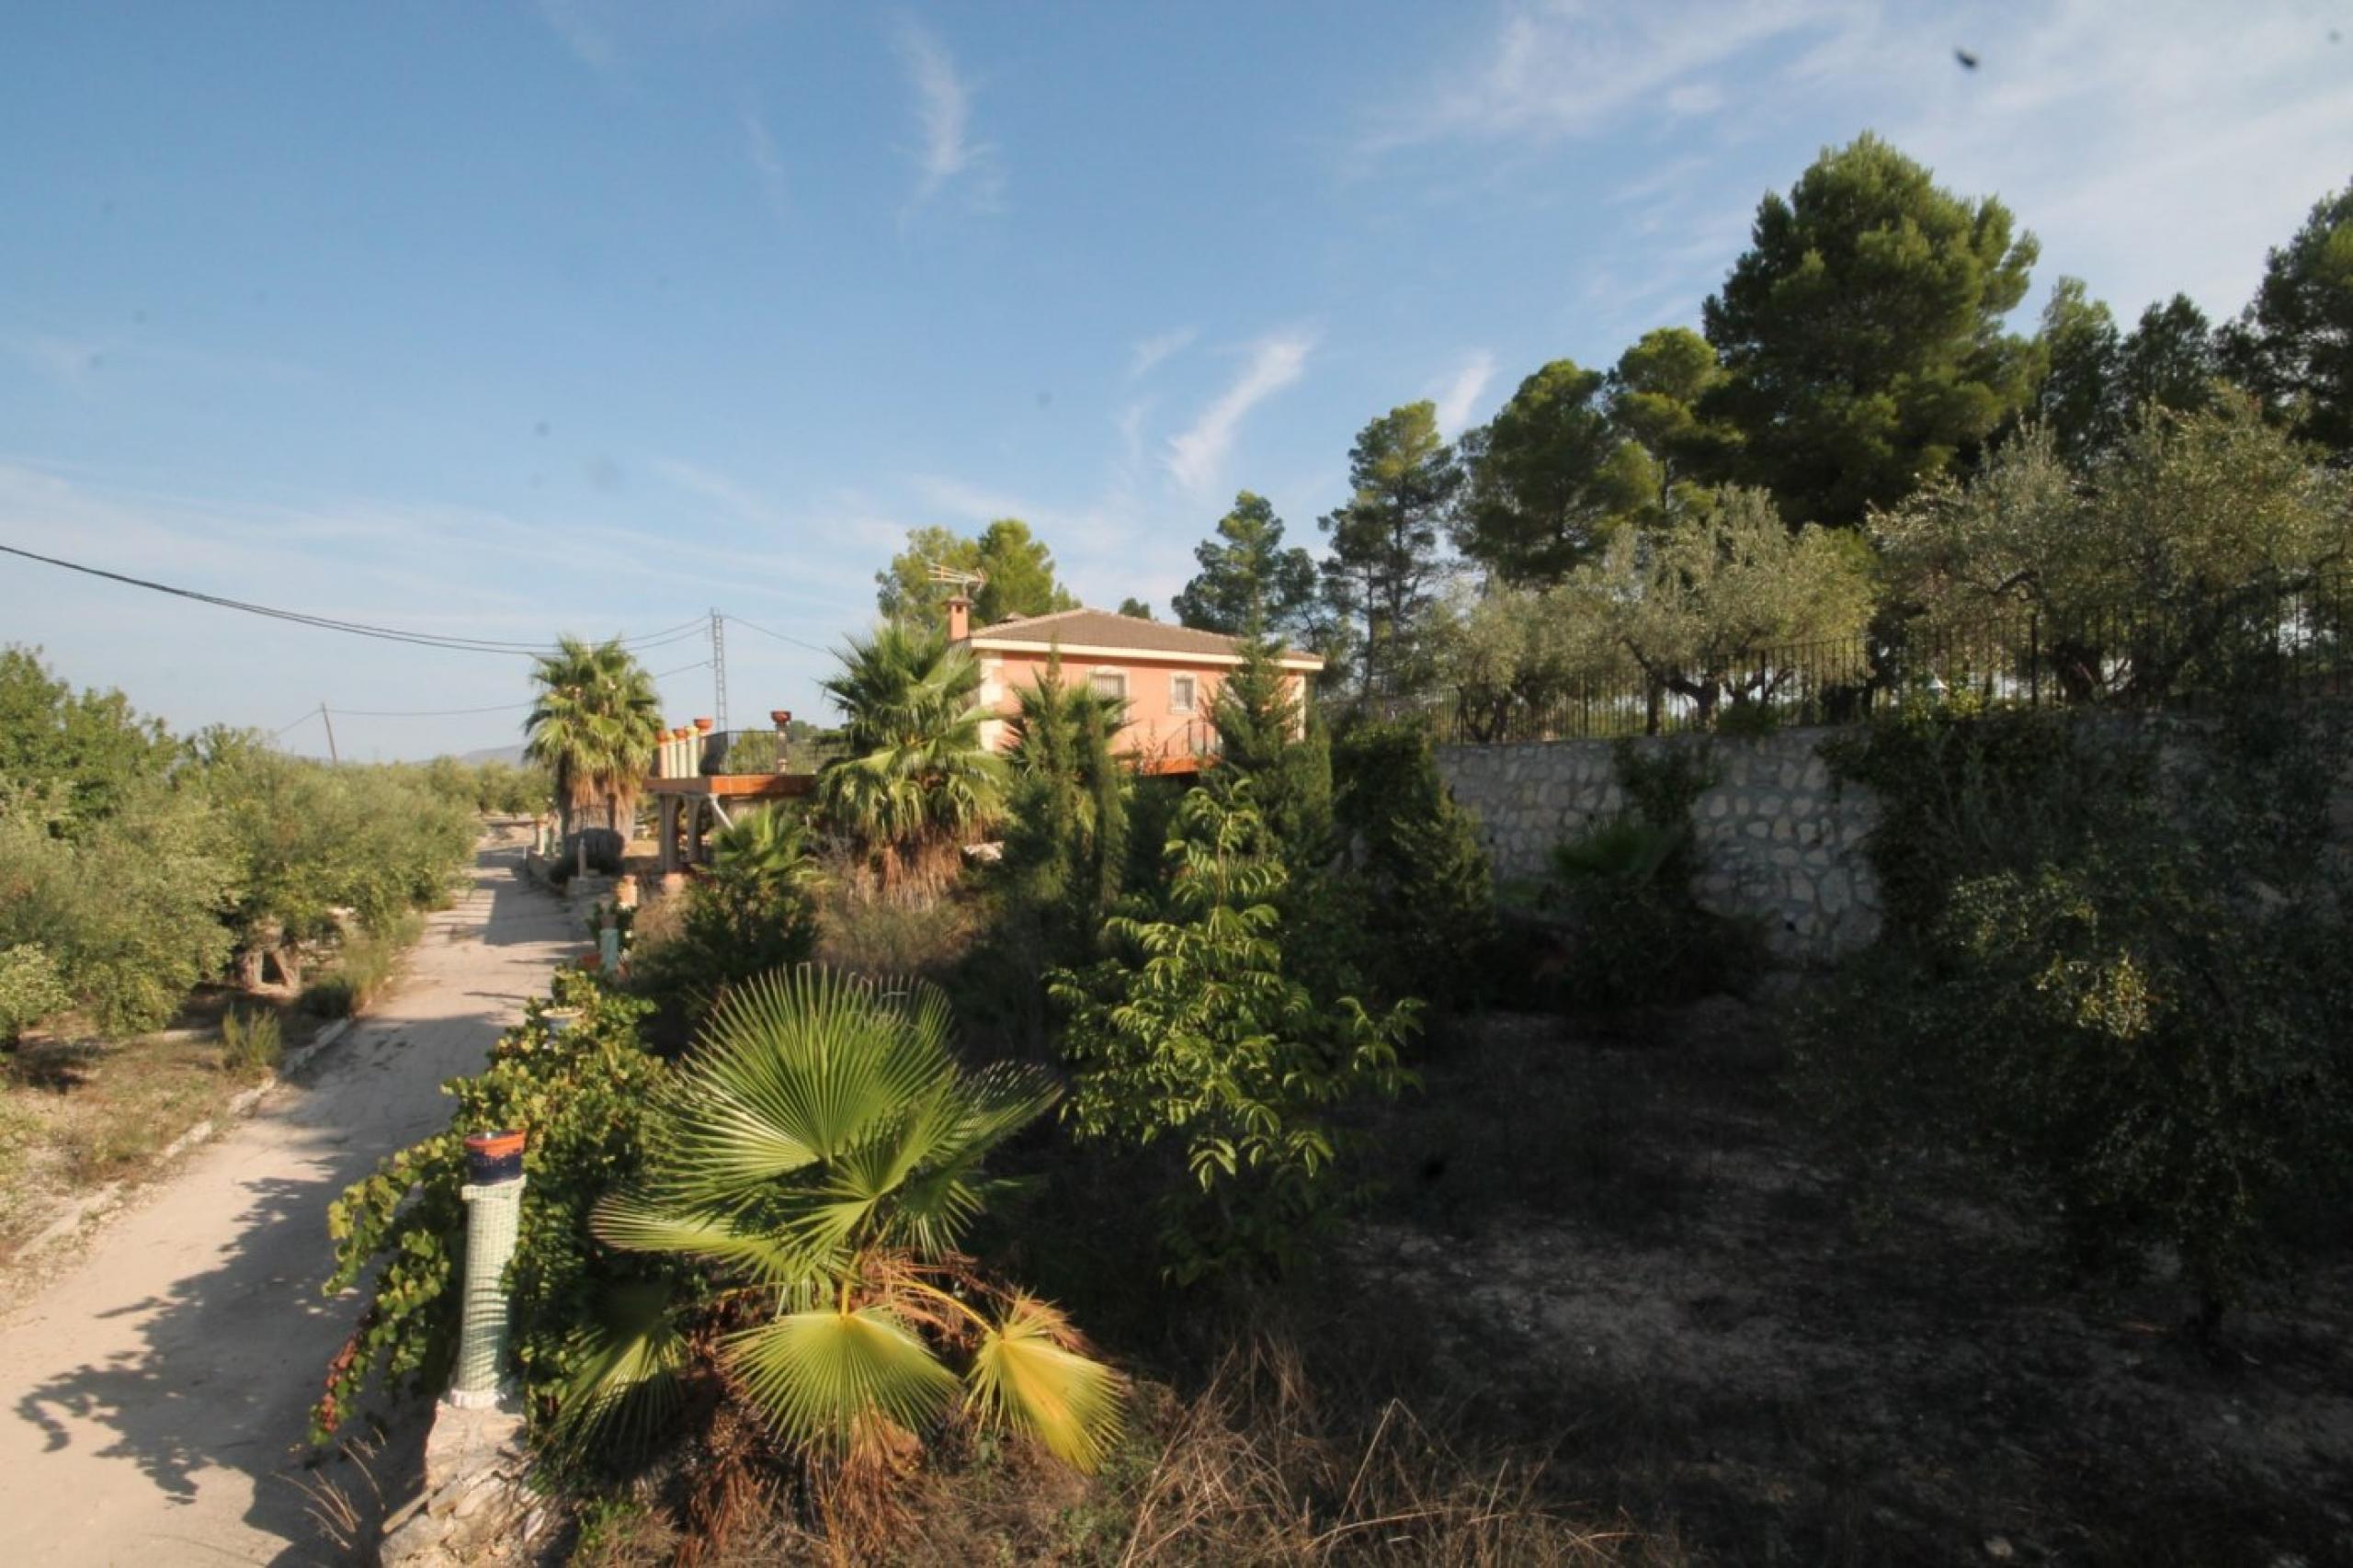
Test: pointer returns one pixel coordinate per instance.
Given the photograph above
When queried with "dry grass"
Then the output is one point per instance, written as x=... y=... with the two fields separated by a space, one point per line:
x=868 y=934
x=78 y=1113
x=1246 y=1472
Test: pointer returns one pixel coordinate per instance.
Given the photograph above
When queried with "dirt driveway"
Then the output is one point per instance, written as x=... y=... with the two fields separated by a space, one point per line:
x=156 y=1396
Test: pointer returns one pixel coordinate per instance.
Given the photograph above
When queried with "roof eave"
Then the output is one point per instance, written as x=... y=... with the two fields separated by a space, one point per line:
x=982 y=643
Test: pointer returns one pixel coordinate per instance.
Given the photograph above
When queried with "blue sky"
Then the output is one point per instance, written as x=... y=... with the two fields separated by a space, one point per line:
x=503 y=319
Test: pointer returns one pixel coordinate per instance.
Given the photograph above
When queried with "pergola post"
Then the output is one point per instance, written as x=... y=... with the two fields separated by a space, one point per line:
x=669 y=835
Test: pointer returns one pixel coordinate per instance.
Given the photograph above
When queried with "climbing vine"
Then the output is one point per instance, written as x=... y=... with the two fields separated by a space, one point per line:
x=583 y=1096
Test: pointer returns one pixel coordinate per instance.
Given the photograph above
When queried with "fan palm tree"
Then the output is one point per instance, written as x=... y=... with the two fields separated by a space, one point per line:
x=593 y=726
x=767 y=846
x=821 y=1149
x=914 y=777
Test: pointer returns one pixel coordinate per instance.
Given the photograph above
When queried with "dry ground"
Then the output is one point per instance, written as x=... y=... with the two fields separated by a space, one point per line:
x=1625 y=1249
x=153 y=1396
x=77 y=1113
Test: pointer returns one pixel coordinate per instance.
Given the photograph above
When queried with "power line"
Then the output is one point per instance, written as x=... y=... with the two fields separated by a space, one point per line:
x=331 y=623
x=461 y=712
x=754 y=626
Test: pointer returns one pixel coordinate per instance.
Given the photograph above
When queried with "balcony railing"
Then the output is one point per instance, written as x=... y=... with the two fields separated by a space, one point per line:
x=1186 y=748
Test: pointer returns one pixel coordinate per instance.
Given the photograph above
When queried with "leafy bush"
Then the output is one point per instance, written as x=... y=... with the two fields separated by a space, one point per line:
x=30 y=989
x=253 y=1042
x=364 y=968
x=332 y=996
x=583 y=1096
x=1637 y=932
x=2135 y=1006
x=1196 y=1030
x=139 y=862
x=127 y=909
x=754 y=910
x=1966 y=792
x=2172 y=1068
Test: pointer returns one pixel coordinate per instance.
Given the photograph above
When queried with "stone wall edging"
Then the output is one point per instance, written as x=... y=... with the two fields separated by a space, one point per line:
x=1780 y=840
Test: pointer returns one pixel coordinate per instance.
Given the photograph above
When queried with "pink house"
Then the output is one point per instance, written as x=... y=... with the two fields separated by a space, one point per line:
x=1169 y=675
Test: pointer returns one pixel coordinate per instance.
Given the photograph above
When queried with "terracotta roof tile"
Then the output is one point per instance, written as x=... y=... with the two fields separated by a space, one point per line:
x=1102 y=628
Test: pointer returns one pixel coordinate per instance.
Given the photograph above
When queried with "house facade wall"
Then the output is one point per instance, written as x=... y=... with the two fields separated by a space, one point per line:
x=1160 y=724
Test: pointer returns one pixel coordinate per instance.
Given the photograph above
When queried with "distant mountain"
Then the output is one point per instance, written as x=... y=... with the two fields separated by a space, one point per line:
x=513 y=754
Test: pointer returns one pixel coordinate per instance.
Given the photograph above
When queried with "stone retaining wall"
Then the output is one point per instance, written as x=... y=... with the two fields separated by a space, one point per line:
x=1779 y=840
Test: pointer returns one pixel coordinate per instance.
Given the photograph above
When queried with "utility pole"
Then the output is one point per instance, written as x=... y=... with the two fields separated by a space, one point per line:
x=719 y=669
x=329 y=722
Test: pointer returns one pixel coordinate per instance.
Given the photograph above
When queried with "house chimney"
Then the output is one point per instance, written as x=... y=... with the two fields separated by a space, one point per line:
x=960 y=619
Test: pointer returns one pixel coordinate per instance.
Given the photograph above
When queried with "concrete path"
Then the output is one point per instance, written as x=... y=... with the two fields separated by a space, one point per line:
x=156 y=1396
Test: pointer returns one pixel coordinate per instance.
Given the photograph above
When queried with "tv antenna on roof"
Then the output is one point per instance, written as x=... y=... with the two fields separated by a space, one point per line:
x=965 y=582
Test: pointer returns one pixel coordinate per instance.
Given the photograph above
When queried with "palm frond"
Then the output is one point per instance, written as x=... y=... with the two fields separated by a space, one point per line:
x=822 y=1375
x=821 y=1055
x=634 y=1223
x=1029 y=1373
x=625 y=1388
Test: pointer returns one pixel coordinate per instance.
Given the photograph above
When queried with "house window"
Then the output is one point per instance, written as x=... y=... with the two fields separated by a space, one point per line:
x=1181 y=692
x=1112 y=684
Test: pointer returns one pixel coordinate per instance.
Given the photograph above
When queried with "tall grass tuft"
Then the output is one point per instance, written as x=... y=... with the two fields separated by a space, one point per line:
x=253 y=1041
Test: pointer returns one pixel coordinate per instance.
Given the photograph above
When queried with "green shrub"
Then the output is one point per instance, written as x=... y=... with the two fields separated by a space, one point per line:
x=582 y=1097
x=252 y=1041
x=364 y=968
x=331 y=995
x=1637 y=933
x=1748 y=719
x=31 y=989
x=875 y=936
x=2134 y=1010
x=753 y=911
x=1965 y=792
x=1198 y=1032
x=129 y=909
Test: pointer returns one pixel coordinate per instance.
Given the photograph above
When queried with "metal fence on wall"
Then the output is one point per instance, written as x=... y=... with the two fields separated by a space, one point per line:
x=2295 y=641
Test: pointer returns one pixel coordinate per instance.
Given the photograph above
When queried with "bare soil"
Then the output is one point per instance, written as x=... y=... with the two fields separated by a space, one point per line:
x=1625 y=1247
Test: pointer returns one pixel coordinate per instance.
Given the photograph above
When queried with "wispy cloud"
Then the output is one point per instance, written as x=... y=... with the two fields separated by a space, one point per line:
x=72 y=363
x=2161 y=113
x=81 y=364
x=739 y=502
x=585 y=30
x=1149 y=353
x=1568 y=69
x=1460 y=394
x=944 y=112
x=971 y=503
x=767 y=165
x=1196 y=457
